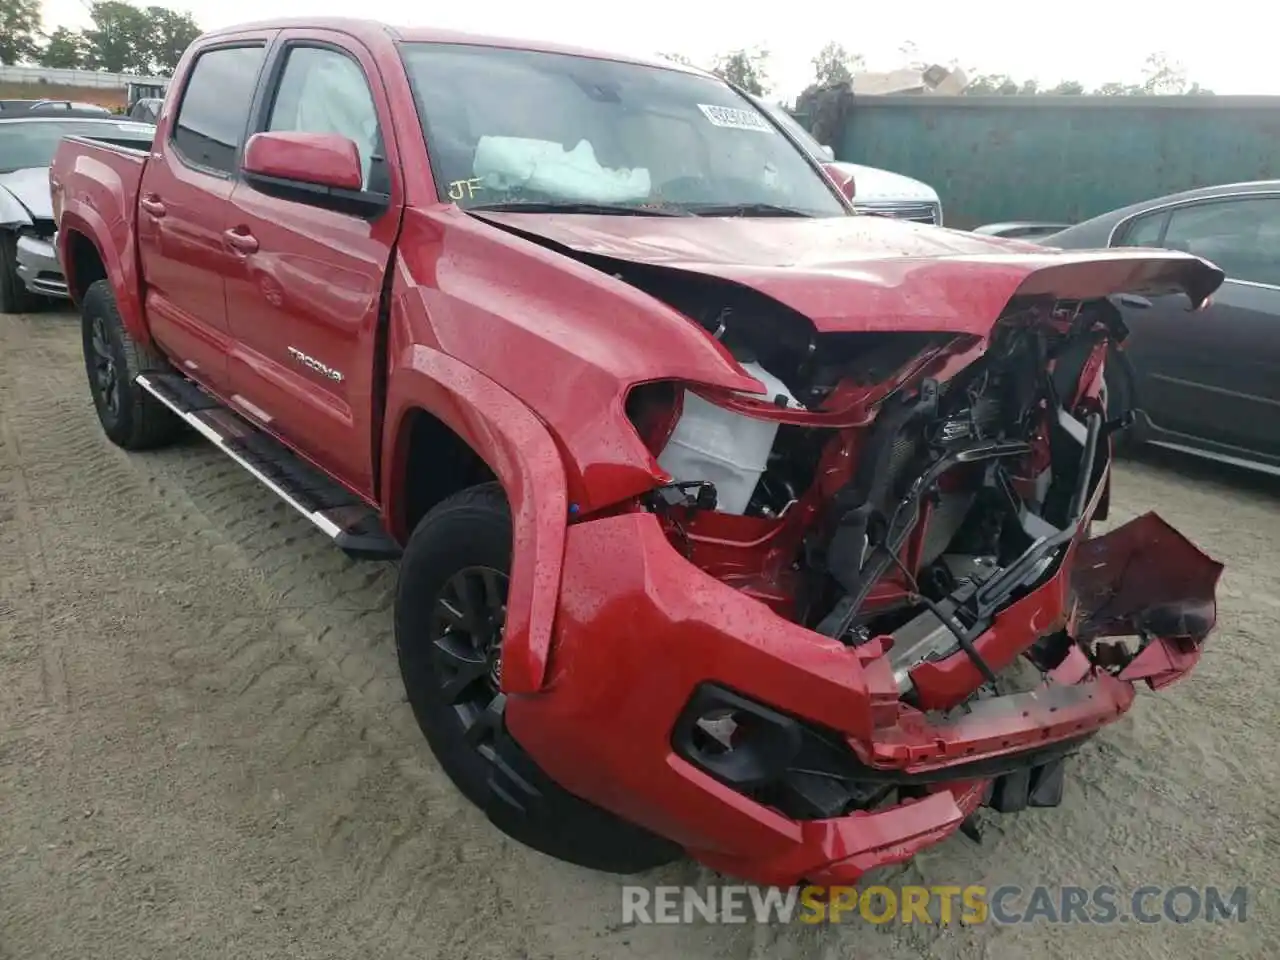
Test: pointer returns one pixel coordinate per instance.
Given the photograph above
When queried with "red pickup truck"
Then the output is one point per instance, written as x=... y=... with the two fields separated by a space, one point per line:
x=722 y=514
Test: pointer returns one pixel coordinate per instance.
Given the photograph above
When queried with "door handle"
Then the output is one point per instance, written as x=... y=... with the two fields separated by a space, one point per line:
x=1133 y=300
x=152 y=205
x=241 y=241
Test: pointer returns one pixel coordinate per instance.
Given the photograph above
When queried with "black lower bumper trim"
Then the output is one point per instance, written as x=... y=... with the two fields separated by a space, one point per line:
x=1040 y=786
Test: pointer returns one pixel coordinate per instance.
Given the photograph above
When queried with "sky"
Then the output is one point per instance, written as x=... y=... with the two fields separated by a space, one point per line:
x=1093 y=41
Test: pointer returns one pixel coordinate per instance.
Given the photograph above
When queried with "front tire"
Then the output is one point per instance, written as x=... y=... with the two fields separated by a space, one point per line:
x=450 y=614
x=130 y=416
x=14 y=295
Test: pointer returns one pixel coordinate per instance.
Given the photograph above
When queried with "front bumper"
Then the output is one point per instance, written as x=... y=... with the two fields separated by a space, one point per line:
x=640 y=630
x=38 y=266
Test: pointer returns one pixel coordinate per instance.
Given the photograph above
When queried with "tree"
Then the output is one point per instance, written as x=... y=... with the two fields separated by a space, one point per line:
x=745 y=68
x=126 y=39
x=19 y=27
x=834 y=64
x=171 y=34
x=120 y=38
x=1119 y=90
x=988 y=84
x=1163 y=77
x=66 y=49
x=1067 y=88
x=677 y=58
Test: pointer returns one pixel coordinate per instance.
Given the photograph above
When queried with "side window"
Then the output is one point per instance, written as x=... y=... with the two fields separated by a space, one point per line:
x=215 y=106
x=323 y=91
x=1145 y=231
x=1240 y=236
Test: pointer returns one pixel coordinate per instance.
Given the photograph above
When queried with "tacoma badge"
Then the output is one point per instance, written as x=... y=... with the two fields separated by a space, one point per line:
x=315 y=364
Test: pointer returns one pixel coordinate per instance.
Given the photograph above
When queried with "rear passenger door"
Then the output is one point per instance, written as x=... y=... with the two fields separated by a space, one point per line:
x=304 y=300
x=183 y=207
x=1215 y=374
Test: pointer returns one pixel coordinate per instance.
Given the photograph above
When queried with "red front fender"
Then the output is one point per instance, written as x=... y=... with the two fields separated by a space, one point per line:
x=523 y=456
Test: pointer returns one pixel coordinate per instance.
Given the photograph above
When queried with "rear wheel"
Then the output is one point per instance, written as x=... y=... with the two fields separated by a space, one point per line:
x=14 y=295
x=130 y=416
x=450 y=614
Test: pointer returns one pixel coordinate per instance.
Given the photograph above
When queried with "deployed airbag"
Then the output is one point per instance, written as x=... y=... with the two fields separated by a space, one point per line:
x=544 y=166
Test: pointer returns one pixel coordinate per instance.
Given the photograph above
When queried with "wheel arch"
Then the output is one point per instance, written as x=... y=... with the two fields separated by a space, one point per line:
x=437 y=463
x=87 y=254
x=487 y=433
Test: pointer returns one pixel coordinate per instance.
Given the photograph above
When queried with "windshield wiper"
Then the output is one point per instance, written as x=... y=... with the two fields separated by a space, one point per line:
x=565 y=206
x=744 y=210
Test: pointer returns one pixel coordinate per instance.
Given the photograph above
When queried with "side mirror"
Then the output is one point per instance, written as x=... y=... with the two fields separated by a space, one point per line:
x=826 y=153
x=317 y=159
x=843 y=179
x=322 y=169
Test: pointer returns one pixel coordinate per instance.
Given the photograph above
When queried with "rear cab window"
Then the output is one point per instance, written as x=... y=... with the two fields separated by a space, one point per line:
x=214 y=111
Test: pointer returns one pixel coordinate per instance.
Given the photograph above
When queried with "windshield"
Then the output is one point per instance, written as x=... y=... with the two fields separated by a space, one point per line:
x=32 y=143
x=512 y=126
x=792 y=126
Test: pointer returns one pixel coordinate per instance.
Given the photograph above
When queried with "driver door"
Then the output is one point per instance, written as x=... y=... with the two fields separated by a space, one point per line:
x=304 y=303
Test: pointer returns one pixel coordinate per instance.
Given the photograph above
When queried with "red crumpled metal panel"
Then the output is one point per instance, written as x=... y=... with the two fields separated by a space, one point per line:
x=1146 y=579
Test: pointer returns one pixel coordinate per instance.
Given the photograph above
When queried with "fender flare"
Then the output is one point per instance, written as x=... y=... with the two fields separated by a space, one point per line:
x=524 y=457
x=119 y=262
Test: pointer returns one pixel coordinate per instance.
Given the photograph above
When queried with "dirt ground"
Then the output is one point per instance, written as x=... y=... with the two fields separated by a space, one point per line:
x=205 y=750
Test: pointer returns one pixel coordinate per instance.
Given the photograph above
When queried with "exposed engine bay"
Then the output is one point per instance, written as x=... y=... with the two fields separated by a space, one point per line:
x=890 y=487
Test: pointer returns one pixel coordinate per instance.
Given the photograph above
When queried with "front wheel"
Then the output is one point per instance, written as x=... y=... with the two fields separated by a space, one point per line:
x=450 y=615
x=14 y=295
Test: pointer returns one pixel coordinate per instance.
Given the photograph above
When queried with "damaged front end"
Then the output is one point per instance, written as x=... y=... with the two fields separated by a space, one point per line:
x=917 y=508
x=936 y=521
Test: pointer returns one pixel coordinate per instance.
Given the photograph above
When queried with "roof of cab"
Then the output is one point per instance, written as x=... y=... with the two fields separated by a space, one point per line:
x=371 y=30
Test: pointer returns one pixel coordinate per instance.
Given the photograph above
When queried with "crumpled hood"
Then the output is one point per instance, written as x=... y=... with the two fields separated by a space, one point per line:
x=30 y=187
x=856 y=273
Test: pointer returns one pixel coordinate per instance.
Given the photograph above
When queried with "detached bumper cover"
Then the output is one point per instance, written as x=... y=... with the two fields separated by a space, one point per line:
x=640 y=630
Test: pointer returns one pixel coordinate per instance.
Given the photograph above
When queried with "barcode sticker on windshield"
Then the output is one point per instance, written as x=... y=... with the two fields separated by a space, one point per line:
x=735 y=117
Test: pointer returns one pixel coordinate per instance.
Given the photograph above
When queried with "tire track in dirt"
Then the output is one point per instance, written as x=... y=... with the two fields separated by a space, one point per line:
x=255 y=783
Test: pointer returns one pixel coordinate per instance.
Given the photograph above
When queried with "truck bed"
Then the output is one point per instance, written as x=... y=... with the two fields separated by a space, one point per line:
x=103 y=173
x=103 y=177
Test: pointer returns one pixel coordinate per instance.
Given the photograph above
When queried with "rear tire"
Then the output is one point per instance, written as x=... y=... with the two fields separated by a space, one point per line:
x=130 y=416
x=448 y=638
x=14 y=295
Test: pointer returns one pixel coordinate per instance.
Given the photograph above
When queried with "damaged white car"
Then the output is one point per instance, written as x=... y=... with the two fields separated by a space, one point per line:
x=29 y=267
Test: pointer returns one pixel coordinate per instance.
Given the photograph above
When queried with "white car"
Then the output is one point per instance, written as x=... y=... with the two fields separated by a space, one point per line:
x=29 y=267
x=876 y=191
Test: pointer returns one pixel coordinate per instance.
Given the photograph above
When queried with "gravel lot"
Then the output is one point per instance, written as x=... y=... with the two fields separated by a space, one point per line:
x=205 y=749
